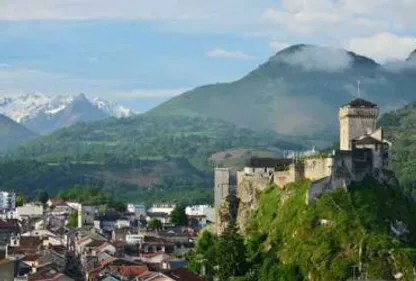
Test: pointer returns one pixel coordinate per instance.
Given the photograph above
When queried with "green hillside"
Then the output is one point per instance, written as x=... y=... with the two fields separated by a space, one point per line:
x=297 y=91
x=12 y=134
x=400 y=127
x=142 y=158
x=322 y=241
x=147 y=137
x=367 y=232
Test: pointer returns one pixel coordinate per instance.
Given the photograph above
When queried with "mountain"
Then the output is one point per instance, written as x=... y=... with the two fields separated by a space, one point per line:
x=43 y=114
x=296 y=90
x=12 y=134
x=148 y=157
x=142 y=136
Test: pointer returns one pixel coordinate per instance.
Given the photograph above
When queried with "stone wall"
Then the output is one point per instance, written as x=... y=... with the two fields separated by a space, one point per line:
x=225 y=180
x=248 y=194
x=294 y=173
x=318 y=168
x=341 y=178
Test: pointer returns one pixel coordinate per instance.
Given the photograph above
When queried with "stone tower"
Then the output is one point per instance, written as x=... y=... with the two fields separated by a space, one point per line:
x=225 y=184
x=357 y=118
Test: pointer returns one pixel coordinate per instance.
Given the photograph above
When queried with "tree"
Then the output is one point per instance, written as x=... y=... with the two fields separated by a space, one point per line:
x=43 y=197
x=178 y=216
x=231 y=254
x=20 y=200
x=203 y=259
x=73 y=219
x=62 y=195
x=155 y=224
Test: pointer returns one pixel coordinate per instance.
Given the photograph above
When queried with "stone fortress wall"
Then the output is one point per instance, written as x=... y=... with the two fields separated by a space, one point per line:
x=363 y=152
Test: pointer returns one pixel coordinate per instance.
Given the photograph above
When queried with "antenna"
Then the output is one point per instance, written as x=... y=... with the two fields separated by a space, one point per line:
x=358 y=88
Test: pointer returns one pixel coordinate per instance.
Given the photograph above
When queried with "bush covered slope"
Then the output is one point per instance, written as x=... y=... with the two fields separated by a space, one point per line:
x=335 y=237
x=400 y=128
x=144 y=137
x=142 y=158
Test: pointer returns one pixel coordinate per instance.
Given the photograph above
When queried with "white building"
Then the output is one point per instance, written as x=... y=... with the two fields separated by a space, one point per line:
x=122 y=223
x=86 y=215
x=202 y=213
x=138 y=209
x=29 y=210
x=162 y=208
x=134 y=239
x=7 y=200
x=197 y=210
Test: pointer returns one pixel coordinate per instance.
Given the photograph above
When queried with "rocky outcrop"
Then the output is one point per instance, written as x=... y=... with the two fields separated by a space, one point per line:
x=248 y=193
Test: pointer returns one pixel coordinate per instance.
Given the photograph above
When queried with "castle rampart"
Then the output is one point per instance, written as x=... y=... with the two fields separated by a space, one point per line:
x=363 y=152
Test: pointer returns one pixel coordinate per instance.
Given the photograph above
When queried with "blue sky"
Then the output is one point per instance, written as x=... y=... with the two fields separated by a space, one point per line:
x=140 y=53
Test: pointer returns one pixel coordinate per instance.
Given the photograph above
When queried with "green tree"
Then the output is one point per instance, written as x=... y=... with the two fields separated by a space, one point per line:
x=20 y=200
x=62 y=195
x=155 y=224
x=231 y=254
x=203 y=259
x=43 y=197
x=178 y=216
x=73 y=219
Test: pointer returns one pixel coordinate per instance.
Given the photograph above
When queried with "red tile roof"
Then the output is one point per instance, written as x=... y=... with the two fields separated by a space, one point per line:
x=132 y=270
x=182 y=274
x=9 y=223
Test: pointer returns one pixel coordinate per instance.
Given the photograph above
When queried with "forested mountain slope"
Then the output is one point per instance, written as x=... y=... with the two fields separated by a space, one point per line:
x=298 y=91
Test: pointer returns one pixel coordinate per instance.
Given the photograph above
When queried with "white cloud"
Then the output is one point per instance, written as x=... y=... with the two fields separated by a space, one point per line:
x=317 y=58
x=102 y=9
x=278 y=46
x=305 y=21
x=346 y=17
x=224 y=54
x=383 y=46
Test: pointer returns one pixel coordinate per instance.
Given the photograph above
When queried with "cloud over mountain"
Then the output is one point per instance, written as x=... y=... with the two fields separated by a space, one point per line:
x=310 y=59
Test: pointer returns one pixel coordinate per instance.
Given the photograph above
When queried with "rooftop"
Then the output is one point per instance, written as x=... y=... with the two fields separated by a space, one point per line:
x=366 y=140
x=268 y=162
x=357 y=102
x=182 y=274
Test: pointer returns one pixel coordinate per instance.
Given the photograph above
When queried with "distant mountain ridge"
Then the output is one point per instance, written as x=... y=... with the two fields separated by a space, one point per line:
x=43 y=114
x=298 y=91
x=12 y=133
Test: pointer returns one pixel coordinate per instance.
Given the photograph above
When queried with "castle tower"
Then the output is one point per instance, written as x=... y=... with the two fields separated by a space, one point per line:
x=356 y=118
x=225 y=183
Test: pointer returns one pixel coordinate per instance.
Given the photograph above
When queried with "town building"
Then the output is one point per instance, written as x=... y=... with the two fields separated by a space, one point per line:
x=138 y=209
x=7 y=200
x=29 y=210
x=162 y=208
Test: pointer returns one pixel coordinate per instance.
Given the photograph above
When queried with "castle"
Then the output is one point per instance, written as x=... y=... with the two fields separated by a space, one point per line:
x=363 y=152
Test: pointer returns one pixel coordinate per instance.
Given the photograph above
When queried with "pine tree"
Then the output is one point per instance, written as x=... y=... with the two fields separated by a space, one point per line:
x=231 y=254
x=203 y=259
x=178 y=216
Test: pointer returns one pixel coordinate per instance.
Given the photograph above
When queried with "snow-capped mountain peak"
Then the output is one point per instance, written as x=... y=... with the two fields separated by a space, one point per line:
x=27 y=108
x=112 y=108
